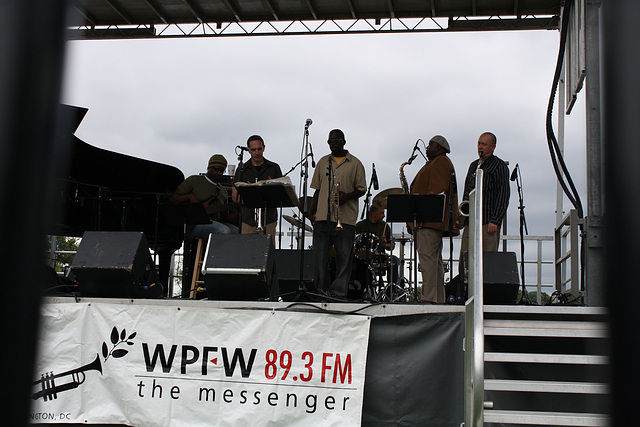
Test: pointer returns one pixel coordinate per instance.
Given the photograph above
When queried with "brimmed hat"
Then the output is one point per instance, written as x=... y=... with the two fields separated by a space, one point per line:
x=217 y=160
x=441 y=141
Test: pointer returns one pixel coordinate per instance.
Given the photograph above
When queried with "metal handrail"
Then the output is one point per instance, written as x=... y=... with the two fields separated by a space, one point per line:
x=474 y=329
x=568 y=231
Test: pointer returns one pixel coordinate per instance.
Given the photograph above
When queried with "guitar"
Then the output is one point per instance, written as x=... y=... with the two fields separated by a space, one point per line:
x=224 y=207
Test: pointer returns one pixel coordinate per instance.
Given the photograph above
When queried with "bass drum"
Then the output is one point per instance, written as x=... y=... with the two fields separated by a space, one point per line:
x=358 y=278
x=358 y=282
x=360 y=245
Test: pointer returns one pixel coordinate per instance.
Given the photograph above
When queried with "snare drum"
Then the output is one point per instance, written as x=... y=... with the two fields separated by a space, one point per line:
x=360 y=245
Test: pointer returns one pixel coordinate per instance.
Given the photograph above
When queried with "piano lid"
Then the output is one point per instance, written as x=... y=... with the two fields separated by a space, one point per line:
x=108 y=191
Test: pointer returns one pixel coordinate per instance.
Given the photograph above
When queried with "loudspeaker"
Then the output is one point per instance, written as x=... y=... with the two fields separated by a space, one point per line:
x=501 y=280
x=239 y=267
x=288 y=270
x=115 y=264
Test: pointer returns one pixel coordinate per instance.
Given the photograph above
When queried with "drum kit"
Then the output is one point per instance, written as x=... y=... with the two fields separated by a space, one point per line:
x=376 y=275
x=375 y=272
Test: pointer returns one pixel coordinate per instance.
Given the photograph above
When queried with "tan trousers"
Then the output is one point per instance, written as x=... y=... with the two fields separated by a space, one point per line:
x=429 y=246
x=489 y=241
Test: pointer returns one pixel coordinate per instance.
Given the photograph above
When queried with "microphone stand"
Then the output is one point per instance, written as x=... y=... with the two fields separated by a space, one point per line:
x=238 y=173
x=304 y=174
x=367 y=247
x=452 y=189
x=298 y=164
x=524 y=299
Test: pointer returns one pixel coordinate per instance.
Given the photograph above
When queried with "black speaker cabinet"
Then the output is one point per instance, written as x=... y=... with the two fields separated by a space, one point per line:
x=239 y=267
x=114 y=264
x=501 y=279
x=288 y=270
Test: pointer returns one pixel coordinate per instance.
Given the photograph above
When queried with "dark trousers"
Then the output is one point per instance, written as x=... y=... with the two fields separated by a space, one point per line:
x=325 y=236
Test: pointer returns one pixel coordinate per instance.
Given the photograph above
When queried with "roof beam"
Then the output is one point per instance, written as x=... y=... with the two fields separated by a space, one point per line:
x=86 y=16
x=392 y=11
x=272 y=10
x=119 y=10
x=156 y=9
x=352 y=10
x=195 y=9
x=312 y=9
x=232 y=9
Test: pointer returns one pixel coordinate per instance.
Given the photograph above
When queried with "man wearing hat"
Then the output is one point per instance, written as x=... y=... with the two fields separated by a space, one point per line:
x=437 y=176
x=206 y=189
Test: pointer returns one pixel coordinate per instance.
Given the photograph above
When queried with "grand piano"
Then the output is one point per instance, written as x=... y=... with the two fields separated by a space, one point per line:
x=108 y=191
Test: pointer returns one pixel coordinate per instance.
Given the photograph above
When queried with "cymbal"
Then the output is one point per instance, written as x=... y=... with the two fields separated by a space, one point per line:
x=402 y=239
x=296 y=222
x=380 y=200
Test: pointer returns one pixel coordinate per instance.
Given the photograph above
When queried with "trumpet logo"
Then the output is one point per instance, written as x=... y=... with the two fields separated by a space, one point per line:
x=49 y=387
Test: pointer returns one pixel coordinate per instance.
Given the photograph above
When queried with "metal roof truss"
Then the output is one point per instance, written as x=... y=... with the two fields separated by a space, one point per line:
x=127 y=19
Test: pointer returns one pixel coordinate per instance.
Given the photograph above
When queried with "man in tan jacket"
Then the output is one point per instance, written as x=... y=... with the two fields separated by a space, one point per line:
x=437 y=176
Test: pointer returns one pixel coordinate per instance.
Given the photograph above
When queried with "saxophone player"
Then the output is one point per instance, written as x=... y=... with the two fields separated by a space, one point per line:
x=339 y=181
x=437 y=176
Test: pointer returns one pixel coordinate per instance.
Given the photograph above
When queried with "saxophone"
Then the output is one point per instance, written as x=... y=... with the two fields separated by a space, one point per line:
x=403 y=179
x=404 y=184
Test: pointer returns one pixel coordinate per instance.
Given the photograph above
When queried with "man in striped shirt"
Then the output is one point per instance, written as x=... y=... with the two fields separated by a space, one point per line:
x=495 y=190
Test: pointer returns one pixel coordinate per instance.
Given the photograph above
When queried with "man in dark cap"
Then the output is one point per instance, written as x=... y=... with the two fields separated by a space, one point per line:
x=206 y=189
x=437 y=176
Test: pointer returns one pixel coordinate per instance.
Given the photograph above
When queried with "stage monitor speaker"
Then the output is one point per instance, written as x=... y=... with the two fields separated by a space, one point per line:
x=239 y=267
x=288 y=270
x=501 y=280
x=115 y=264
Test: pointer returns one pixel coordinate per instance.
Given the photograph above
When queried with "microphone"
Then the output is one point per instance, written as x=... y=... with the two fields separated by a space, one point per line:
x=241 y=148
x=313 y=162
x=415 y=147
x=308 y=123
x=514 y=173
x=374 y=177
x=481 y=154
x=413 y=155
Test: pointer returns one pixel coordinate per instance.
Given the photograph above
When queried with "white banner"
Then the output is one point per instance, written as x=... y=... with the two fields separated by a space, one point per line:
x=182 y=366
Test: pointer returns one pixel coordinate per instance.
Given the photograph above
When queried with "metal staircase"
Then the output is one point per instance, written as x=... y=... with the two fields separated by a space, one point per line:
x=530 y=365
x=545 y=365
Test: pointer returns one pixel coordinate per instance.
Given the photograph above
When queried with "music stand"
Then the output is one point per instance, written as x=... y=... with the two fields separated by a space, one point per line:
x=267 y=195
x=414 y=208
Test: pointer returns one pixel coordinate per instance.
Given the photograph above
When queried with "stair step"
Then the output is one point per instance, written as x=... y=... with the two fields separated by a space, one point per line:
x=546 y=386
x=569 y=359
x=545 y=418
x=533 y=328
x=545 y=310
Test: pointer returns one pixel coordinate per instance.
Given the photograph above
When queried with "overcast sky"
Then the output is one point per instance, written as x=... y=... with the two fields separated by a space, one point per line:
x=178 y=101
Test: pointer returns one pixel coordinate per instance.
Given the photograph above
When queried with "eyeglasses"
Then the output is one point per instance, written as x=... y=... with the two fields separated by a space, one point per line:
x=338 y=140
x=219 y=170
